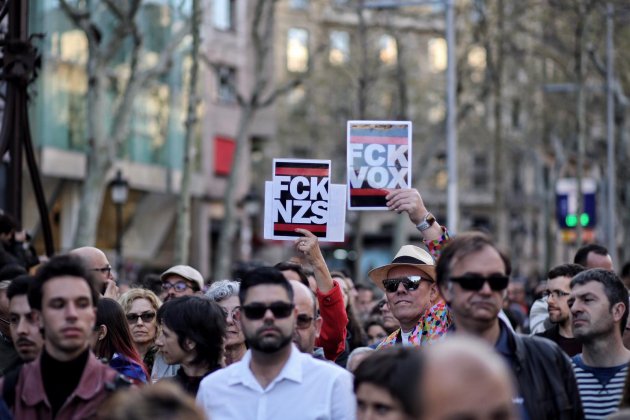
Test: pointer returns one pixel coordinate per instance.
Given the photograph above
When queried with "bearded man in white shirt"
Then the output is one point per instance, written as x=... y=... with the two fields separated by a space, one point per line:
x=274 y=375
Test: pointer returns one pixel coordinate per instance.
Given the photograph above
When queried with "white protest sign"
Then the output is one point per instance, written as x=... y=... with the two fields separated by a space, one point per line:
x=301 y=196
x=378 y=159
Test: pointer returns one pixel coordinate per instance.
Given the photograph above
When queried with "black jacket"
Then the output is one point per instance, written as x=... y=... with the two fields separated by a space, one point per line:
x=545 y=379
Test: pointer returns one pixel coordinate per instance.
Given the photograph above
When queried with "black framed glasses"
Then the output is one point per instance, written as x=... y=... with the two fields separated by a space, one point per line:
x=303 y=321
x=180 y=286
x=257 y=310
x=556 y=294
x=410 y=283
x=144 y=316
x=104 y=270
x=474 y=282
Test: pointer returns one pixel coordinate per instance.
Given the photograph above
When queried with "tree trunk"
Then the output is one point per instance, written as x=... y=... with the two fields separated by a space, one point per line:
x=225 y=244
x=500 y=208
x=98 y=159
x=182 y=234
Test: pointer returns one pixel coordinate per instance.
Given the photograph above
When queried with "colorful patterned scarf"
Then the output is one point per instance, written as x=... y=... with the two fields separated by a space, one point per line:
x=432 y=326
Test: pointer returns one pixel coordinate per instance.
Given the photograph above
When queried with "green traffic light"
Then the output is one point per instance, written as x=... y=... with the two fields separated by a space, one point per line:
x=571 y=220
x=584 y=219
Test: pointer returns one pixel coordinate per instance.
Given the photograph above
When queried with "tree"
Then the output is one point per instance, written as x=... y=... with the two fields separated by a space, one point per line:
x=262 y=94
x=182 y=238
x=104 y=47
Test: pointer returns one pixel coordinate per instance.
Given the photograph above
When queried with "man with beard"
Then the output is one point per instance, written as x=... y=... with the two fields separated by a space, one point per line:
x=274 y=380
x=24 y=324
x=557 y=296
x=599 y=305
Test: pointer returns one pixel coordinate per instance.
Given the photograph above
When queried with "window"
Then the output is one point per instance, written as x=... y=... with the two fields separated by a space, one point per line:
x=480 y=171
x=223 y=14
x=339 y=47
x=437 y=55
x=226 y=85
x=388 y=50
x=297 y=50
x=298 y=4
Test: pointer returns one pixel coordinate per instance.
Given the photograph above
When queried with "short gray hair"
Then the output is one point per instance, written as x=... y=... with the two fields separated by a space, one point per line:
x=223 y=289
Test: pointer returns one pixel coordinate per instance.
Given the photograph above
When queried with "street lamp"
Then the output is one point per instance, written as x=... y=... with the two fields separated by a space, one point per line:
x=119 y=190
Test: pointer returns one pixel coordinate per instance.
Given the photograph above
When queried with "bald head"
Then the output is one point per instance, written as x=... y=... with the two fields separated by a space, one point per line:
x=308 y=324
x=95 y=260
x=465 y=378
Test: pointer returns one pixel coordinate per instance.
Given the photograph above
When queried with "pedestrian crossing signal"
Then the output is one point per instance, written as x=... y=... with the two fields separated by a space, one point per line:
x=571 y=220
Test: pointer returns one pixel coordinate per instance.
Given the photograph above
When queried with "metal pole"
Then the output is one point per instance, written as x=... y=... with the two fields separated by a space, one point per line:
x=119 y=233
x=452 y=205
x=610 y=134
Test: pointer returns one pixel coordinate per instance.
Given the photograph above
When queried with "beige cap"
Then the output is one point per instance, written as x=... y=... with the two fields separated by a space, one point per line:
x=187 y=272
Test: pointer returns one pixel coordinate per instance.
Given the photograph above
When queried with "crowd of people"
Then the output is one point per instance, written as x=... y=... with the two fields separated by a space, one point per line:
x=441 y=332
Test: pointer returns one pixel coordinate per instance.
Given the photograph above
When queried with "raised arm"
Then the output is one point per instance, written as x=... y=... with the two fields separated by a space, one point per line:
x=409 y=200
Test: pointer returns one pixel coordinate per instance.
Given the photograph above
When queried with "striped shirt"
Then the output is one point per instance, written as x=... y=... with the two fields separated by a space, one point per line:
x=600 y=388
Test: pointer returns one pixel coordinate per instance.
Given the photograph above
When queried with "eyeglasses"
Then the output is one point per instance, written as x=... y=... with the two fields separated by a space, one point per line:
x=258 y=310
x=145 y=316
x=474 y=281
x=303 y=321
x=180 y=286
x=104 y=270
x=234 y=312
x=556 y=294
x=410 y=283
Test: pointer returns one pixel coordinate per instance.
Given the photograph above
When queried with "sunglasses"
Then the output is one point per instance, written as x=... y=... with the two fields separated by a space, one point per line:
x=410 y=283
x=180 y=286
x=474 y=282
x=303 y=321
x=145 y=316
x=258 y=310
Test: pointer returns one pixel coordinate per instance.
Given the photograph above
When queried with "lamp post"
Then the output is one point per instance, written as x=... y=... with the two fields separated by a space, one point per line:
x=120 y=191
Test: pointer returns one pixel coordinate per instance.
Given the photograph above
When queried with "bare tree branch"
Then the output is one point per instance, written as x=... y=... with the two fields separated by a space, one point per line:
x=282 y=90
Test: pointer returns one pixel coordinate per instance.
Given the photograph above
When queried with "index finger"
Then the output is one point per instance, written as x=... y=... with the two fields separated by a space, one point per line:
x=305 y=232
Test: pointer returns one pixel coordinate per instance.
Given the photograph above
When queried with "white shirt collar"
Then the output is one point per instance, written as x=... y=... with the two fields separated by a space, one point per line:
x=292 y=371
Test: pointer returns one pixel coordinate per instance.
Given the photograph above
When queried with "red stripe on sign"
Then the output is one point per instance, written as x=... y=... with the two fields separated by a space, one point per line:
x=302 y=171
x=292 y=227
x=379 y=140
x=368 y=191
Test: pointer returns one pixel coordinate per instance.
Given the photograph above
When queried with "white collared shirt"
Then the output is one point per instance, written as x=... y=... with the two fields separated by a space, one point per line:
x=305 y=388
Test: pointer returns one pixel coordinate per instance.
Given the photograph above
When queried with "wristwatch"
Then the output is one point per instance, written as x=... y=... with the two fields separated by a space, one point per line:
x=426 y=223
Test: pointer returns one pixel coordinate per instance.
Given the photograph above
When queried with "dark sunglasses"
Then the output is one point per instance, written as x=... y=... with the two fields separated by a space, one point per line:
x=145 y=316
x=303 y=321
x=180 y=286
x=410 y=283
x=474 y=282
x=258 y=310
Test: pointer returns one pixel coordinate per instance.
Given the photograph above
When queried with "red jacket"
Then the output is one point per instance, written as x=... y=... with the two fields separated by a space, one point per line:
x=332 y=337
x=31 y=401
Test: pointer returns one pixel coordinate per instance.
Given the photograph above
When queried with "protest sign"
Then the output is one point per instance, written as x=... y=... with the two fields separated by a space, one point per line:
x=301 y=196
x=378 y=159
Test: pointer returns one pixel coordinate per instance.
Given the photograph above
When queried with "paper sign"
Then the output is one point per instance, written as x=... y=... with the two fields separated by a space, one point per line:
x=301 y=196
x=378 y=155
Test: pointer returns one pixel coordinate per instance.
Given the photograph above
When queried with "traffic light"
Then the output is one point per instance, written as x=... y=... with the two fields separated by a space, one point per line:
x=571 y=220
x=566 y=204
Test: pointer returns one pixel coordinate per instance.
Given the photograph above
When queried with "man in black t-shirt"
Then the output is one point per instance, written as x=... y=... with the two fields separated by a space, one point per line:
x=557 y=295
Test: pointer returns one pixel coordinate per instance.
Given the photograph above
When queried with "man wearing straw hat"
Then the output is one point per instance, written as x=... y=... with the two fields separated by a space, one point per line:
x=409 y=281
